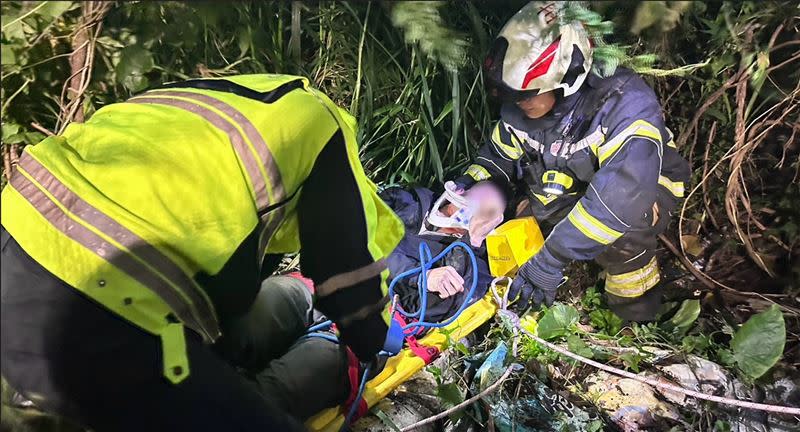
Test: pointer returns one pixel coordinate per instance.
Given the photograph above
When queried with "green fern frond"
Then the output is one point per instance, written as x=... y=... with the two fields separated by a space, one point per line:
x=422 y=24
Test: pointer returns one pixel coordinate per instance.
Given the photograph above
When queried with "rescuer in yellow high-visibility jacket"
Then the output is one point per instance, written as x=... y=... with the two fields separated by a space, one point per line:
x=133 y=240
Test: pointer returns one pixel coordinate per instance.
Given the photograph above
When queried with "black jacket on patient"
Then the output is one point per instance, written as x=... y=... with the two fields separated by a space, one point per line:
x=411 y=205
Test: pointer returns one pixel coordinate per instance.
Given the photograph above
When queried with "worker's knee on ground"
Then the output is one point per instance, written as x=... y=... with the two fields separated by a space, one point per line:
x=310 y=377
x=640 y=308
x=278 y=316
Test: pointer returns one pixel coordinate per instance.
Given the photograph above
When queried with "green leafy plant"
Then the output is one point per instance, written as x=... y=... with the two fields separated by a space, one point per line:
x=607 y=57
x=557 y=321
x=605 y=321
x=576 y=345
x=422 y=24
x=684 y=318
x=759 y=343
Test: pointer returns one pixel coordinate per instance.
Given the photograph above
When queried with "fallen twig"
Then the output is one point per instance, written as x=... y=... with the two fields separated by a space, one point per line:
x=41 y=129
x=706 y=199
x=464 y=404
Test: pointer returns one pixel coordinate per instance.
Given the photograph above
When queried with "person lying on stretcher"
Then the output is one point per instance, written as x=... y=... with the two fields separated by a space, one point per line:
x=468 y=218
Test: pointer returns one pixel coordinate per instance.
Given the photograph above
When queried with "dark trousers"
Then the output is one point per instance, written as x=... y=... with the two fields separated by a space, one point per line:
x=634 y=250
x=72 y=357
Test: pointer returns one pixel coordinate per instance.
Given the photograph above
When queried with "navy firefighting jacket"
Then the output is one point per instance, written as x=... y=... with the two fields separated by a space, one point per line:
x=607 y=145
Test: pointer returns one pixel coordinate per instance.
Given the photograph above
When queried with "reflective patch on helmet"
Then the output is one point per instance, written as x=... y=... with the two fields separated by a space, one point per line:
x=541 y=65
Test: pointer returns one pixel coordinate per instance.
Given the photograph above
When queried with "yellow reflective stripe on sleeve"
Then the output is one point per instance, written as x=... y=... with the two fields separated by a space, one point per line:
x=510 y=150
x=671 y=140
x=634 y=283
x=593 y=141
x=639 y=128
x=477 y=172
x=676 y=188
x=591 y=227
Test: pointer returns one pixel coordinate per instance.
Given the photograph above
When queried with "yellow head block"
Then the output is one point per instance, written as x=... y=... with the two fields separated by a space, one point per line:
x=512 y=244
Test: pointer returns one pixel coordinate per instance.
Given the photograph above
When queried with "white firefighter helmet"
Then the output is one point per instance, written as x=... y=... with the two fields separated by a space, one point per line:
x=536 y=52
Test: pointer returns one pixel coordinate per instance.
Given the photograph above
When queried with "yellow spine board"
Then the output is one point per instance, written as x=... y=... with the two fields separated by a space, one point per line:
x=401 y=367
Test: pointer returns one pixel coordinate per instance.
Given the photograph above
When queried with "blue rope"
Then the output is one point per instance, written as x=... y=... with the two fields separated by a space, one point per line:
x=321 y=326
x=426 y=263
x=326 y=336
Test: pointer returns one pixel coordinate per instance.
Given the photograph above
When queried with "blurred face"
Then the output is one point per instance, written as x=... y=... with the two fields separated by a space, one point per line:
x=490 y=199
x=489 y=202
x=537 y=106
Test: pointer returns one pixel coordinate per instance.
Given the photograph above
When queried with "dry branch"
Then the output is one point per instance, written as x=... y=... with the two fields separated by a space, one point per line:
x=81 y=62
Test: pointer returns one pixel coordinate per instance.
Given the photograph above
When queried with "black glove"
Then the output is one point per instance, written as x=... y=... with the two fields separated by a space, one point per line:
x=534 y=285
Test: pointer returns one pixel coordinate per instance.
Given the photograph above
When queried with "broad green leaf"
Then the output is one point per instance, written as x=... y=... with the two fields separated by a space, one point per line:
x=557 y=321
x=54 y=9
x=578 y=346
x=9 y=129
x=725 y=357
x=7 y=56
x=759 y=343
x=684 y=317
x=695 y=343
x=134 y=62
x=449 y=393
x=605 y=320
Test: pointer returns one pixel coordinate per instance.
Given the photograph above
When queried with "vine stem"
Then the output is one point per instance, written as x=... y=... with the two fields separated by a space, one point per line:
x=464 y=404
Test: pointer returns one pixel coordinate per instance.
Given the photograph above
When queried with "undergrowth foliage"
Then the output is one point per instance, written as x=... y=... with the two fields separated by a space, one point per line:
x=410 y=72
x=726 y=72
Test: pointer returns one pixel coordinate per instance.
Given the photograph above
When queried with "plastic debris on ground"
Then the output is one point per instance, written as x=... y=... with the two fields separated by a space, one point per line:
x=631 y=405
x=708 y=377
x=526 y=404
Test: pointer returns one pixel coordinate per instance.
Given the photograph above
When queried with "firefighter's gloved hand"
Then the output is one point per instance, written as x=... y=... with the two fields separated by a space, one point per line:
x=536 y=282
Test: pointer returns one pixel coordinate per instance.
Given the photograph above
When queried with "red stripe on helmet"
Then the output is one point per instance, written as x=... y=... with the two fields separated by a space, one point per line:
x=541 y=65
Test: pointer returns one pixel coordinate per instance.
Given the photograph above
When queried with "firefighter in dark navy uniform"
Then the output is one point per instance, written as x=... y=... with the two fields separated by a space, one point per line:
x=591 y=154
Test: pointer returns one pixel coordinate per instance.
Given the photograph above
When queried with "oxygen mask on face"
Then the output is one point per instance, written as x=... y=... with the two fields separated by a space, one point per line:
x=460 y=218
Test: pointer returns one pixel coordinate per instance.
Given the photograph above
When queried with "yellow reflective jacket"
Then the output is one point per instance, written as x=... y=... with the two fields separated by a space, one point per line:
x=130 y=206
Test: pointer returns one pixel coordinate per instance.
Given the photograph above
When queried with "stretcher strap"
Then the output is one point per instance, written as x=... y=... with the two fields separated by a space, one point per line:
x=426 y=353
x=353 y=378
